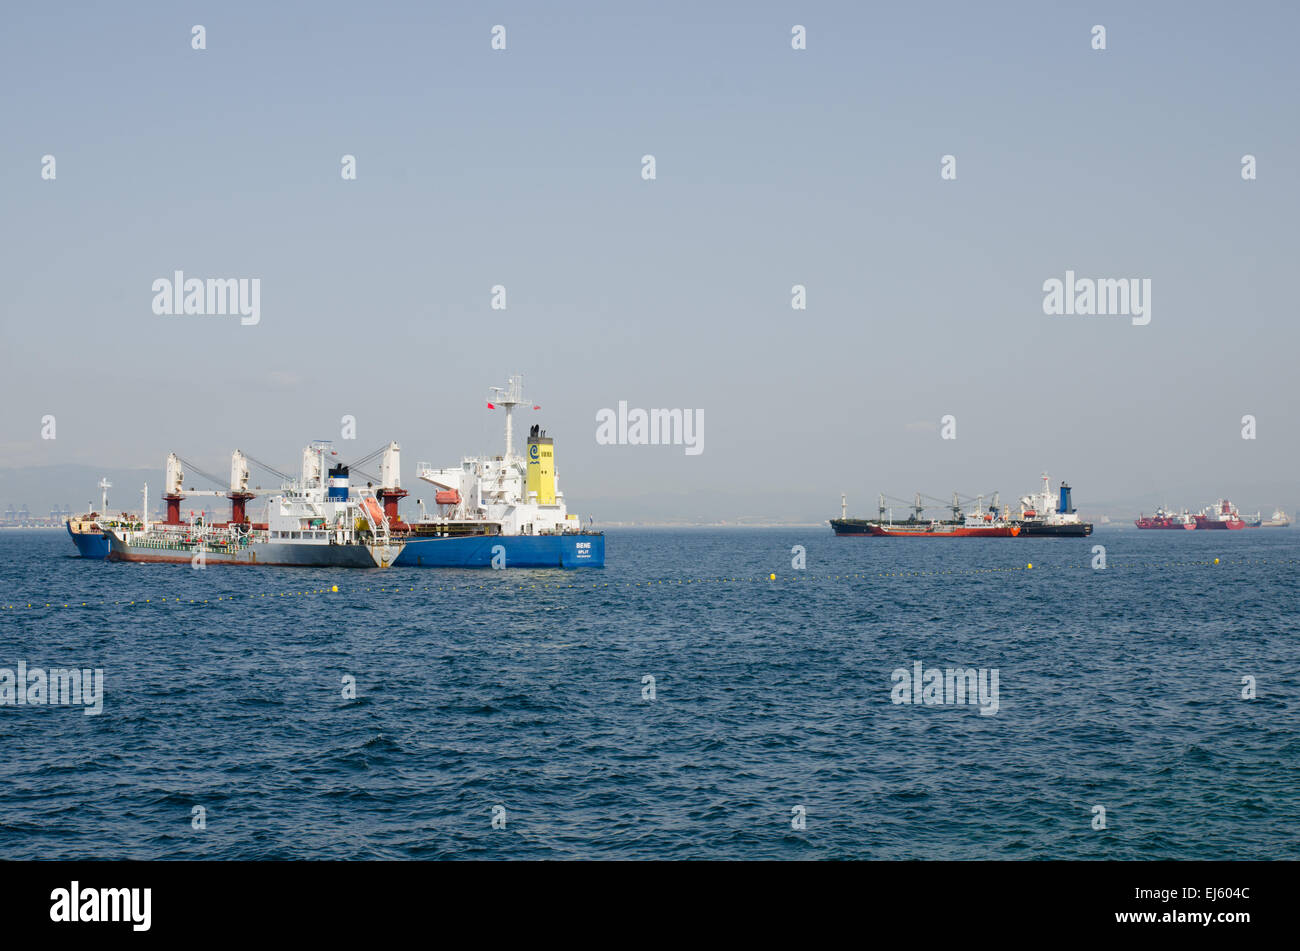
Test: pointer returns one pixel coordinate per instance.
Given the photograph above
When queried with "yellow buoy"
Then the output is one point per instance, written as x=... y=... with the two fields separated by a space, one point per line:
x=1030 y=565
x=771 y=577
x=335 y=589
x=1216 y=561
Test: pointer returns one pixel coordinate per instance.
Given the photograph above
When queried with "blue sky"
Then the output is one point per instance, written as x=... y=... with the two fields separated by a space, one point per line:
x=774 y=167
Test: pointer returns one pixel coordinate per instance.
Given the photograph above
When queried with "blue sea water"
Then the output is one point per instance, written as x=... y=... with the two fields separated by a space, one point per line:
x=1119 y=688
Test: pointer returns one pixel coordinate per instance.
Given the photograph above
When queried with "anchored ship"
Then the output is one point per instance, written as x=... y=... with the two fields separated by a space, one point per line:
x=1167 y=520
x=89 y=530
x=1051 y=514
x=1221 y=515
x=1279 y=519
x=1046 y=514
x=977 y=523
x=493 y=511
x=496 y=511
x=316 y=520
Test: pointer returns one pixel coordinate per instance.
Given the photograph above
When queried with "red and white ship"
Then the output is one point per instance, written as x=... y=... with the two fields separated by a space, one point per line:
x=1221 y=515
x=1167 y=520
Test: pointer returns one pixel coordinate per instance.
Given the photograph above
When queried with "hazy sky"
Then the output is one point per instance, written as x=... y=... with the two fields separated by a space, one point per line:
x=774 y=167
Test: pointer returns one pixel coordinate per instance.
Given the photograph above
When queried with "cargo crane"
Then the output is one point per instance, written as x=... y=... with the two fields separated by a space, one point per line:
x=390 y=492
x=174 y=491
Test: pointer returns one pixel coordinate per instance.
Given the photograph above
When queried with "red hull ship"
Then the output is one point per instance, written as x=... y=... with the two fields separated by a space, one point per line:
x=1221 y=516
x=1166 y=520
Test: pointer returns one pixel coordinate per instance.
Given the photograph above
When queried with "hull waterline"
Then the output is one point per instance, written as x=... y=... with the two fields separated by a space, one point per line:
x=506 y=551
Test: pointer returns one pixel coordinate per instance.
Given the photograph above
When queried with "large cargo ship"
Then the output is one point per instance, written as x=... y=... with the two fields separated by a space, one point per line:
x=491 y=512
x=316 y=521
x=1051 y=514
x=89 y=530
x=502 y=511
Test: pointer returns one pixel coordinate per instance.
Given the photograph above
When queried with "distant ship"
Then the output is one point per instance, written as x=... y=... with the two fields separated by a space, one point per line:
x=1221 y=515
x=89 y=530
x=1167 y=520
x=1279 y=520
x=977 y=523
x=1045 y=514
x=1048 y=513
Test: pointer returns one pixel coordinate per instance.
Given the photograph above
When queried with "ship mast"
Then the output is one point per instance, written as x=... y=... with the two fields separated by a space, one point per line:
x=508 y=397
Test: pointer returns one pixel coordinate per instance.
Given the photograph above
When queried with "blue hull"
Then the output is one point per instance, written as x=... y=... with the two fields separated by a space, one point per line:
x=90 y=544
x=520 y=551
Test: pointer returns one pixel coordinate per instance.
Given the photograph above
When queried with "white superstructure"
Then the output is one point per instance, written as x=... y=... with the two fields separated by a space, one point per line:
x=324 y=509
x=317 y=519
x=1044 y=506
x=508 y=494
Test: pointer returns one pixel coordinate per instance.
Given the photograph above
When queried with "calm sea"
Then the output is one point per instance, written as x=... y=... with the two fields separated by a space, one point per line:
x=768 y=730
